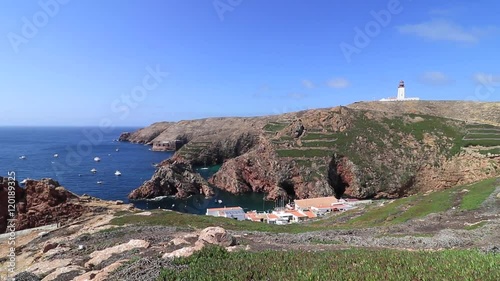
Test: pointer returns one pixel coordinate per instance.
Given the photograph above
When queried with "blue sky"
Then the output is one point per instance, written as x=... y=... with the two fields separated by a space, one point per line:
x=66 y=62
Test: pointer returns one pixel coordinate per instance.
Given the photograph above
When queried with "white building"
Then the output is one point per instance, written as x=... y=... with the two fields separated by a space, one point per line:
x=231 y=212
x=401 y=94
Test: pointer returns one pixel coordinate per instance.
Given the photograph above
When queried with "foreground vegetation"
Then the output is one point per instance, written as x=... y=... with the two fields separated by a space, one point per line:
x=215 y=263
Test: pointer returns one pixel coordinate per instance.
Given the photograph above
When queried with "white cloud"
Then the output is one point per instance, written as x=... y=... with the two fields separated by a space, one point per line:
x=263 y=91
x=308 y=84
x=445 y=30
x=486 y=79
x=440 y=12
x=338 y=83
x=454 y=11
x=296 y=96
x=435 y=78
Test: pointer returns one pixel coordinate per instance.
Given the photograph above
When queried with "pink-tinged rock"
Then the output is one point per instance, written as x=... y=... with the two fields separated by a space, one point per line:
x=100 y=275
x=98 y=257
x=217 y=236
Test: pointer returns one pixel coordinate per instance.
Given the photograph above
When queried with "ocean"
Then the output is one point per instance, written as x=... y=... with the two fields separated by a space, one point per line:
x=76 y=148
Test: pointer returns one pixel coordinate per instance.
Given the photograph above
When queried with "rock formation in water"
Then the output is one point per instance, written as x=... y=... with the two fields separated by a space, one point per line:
x=365 y=150
x=173 y=177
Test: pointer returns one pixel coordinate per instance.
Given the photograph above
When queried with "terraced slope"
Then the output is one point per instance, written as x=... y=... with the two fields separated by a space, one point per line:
x=365 y=150
x=483 y=138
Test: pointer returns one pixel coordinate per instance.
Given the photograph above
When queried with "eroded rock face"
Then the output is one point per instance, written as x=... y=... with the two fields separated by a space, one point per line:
x=4 y=197
x=341 y=174
x=46 y=202
x=41 y=203
x=255 y=171
x=173 y=177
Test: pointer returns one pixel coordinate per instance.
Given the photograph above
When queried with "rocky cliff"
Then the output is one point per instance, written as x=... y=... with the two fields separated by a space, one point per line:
x=42 y=202
x=365 y=150
x=173 y=177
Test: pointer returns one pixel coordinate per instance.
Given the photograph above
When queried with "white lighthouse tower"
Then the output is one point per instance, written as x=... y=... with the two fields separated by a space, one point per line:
x=401 y=94
x=401 y=90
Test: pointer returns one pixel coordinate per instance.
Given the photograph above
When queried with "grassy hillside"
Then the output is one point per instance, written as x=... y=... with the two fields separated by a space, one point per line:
x=391 y=212
x=420 y=205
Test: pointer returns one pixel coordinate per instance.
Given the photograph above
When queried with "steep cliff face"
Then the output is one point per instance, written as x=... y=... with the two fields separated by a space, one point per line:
x=40 y=203
x=259 y=170
x=390 y=151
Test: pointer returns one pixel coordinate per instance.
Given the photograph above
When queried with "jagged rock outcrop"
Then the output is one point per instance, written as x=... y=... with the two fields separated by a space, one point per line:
x=124 y=136
x=365 y=150
x=8 y=184
x=43 y=202
x=46 y=202
x=173 y=177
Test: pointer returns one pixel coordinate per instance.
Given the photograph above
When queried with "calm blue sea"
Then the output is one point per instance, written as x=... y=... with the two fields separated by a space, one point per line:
x=77 y=148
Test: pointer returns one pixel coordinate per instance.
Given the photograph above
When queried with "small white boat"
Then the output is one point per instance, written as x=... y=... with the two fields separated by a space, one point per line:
x=99 y=182
x=56 y=155
x=22 y=157
x=97 y=159
x=117 y=150
x=93 y=171
x=117 y=173
x=219 y=201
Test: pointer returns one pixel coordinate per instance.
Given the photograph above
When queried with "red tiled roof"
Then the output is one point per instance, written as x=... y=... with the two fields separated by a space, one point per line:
x=225 y=208
x=272 y=216
x=297 y=214
x=253 y=216
x=321 y=201
x=310 y=214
